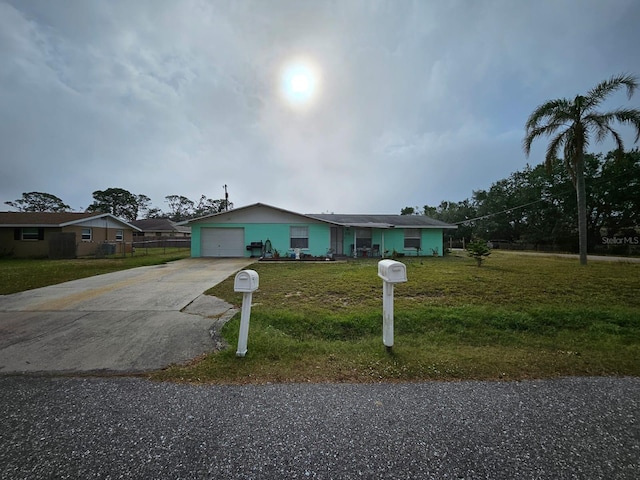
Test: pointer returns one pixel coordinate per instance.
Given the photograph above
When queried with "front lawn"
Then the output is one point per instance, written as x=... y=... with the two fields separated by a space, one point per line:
x=17 y=275
x=515 y=317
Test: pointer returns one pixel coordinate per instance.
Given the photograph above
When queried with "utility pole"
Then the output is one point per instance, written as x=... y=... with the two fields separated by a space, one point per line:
x=226 y=199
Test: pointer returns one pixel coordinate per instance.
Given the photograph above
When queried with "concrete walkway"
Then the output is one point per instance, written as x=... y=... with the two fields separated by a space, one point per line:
x=129 y=321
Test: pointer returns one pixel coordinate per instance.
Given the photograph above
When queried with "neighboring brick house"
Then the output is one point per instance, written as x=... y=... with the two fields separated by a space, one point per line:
x=63 y=235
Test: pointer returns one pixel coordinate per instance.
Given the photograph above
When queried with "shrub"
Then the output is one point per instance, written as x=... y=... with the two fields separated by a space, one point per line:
x=479 y=250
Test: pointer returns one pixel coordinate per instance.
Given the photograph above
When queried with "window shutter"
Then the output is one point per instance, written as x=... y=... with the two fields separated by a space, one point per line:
x=40 y=233
x=17 y=233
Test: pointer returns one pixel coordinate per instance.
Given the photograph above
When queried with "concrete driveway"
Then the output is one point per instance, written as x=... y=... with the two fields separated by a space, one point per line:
x=129 y=321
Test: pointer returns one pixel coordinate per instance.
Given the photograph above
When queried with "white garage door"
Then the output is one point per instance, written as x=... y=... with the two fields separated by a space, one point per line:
x=222 y=242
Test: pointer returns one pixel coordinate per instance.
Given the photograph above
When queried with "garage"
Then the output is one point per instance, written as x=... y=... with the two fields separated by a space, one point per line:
x=222 y=242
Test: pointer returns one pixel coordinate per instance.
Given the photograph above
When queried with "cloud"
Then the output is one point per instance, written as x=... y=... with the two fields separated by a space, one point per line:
x=417 y=102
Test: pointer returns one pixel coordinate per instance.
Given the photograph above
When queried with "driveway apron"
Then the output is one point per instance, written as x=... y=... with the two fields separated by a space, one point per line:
x=129 y=321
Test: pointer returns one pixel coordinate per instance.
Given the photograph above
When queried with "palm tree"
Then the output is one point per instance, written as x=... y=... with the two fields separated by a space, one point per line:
x=570 y=123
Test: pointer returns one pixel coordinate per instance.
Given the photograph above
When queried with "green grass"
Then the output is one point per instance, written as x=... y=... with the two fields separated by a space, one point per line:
x=515 y=317
x=17 y=275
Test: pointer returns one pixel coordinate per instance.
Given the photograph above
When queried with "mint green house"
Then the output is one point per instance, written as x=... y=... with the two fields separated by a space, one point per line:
x=251 y=230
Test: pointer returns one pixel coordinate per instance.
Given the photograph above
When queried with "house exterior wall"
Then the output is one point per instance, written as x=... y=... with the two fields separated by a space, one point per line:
x=432 y=242
x=393 y=239
x=40 y=248
x=103 y=232
x=25 y=248
x=277 y=233
x=6 y=241
x=256 y=215
x=262 y=222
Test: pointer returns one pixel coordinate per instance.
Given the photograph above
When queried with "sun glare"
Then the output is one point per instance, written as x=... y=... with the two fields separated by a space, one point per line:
x=299 y=82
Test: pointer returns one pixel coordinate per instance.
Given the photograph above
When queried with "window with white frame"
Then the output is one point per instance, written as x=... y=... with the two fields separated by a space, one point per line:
x=119 y=235
x=86 y=234
x=412 y=238
x=299 y=237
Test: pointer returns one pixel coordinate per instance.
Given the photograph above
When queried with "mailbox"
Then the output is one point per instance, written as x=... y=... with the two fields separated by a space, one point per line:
x=246 y=281
x=391 y=271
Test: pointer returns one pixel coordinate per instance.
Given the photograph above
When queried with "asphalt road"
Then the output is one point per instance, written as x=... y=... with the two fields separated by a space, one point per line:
x=133 y=320
x=575 y=428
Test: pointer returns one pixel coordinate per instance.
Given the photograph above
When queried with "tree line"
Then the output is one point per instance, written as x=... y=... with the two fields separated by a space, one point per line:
x=126 y=205
x=537 y=206
x=569 y=125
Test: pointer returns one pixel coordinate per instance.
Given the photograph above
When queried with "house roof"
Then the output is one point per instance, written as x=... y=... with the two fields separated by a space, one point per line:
x=381 y=221
x=49 y=219
x=353 y=220
x=246 y=207
x=159 y=225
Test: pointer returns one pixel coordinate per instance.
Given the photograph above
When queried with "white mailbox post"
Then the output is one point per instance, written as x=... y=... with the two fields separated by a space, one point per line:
x=391 y=272
x=247 y=282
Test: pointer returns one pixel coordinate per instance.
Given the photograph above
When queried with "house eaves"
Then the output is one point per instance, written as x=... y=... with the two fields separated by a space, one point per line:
x=367 y=225
x=254 y=205
x=347 y=220
x=97 y=217
x=53 y=219
x=383 y=221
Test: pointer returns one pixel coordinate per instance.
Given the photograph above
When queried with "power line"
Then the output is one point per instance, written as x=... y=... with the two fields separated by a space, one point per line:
x=499 y=213
x=517 y=207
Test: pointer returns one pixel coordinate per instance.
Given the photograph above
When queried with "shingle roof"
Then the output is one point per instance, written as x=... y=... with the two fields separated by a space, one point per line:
x=42 y=219
x=159 y=225
x=381 y=221
x=48 y=219
x=353 y=220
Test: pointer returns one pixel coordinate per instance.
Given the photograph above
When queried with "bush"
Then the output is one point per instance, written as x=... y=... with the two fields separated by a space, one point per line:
x=479 y=250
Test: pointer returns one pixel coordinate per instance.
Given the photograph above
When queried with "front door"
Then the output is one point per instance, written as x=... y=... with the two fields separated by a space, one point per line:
x=337 y=240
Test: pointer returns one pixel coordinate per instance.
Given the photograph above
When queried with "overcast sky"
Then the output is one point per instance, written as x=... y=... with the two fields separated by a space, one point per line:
x=393 y=103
